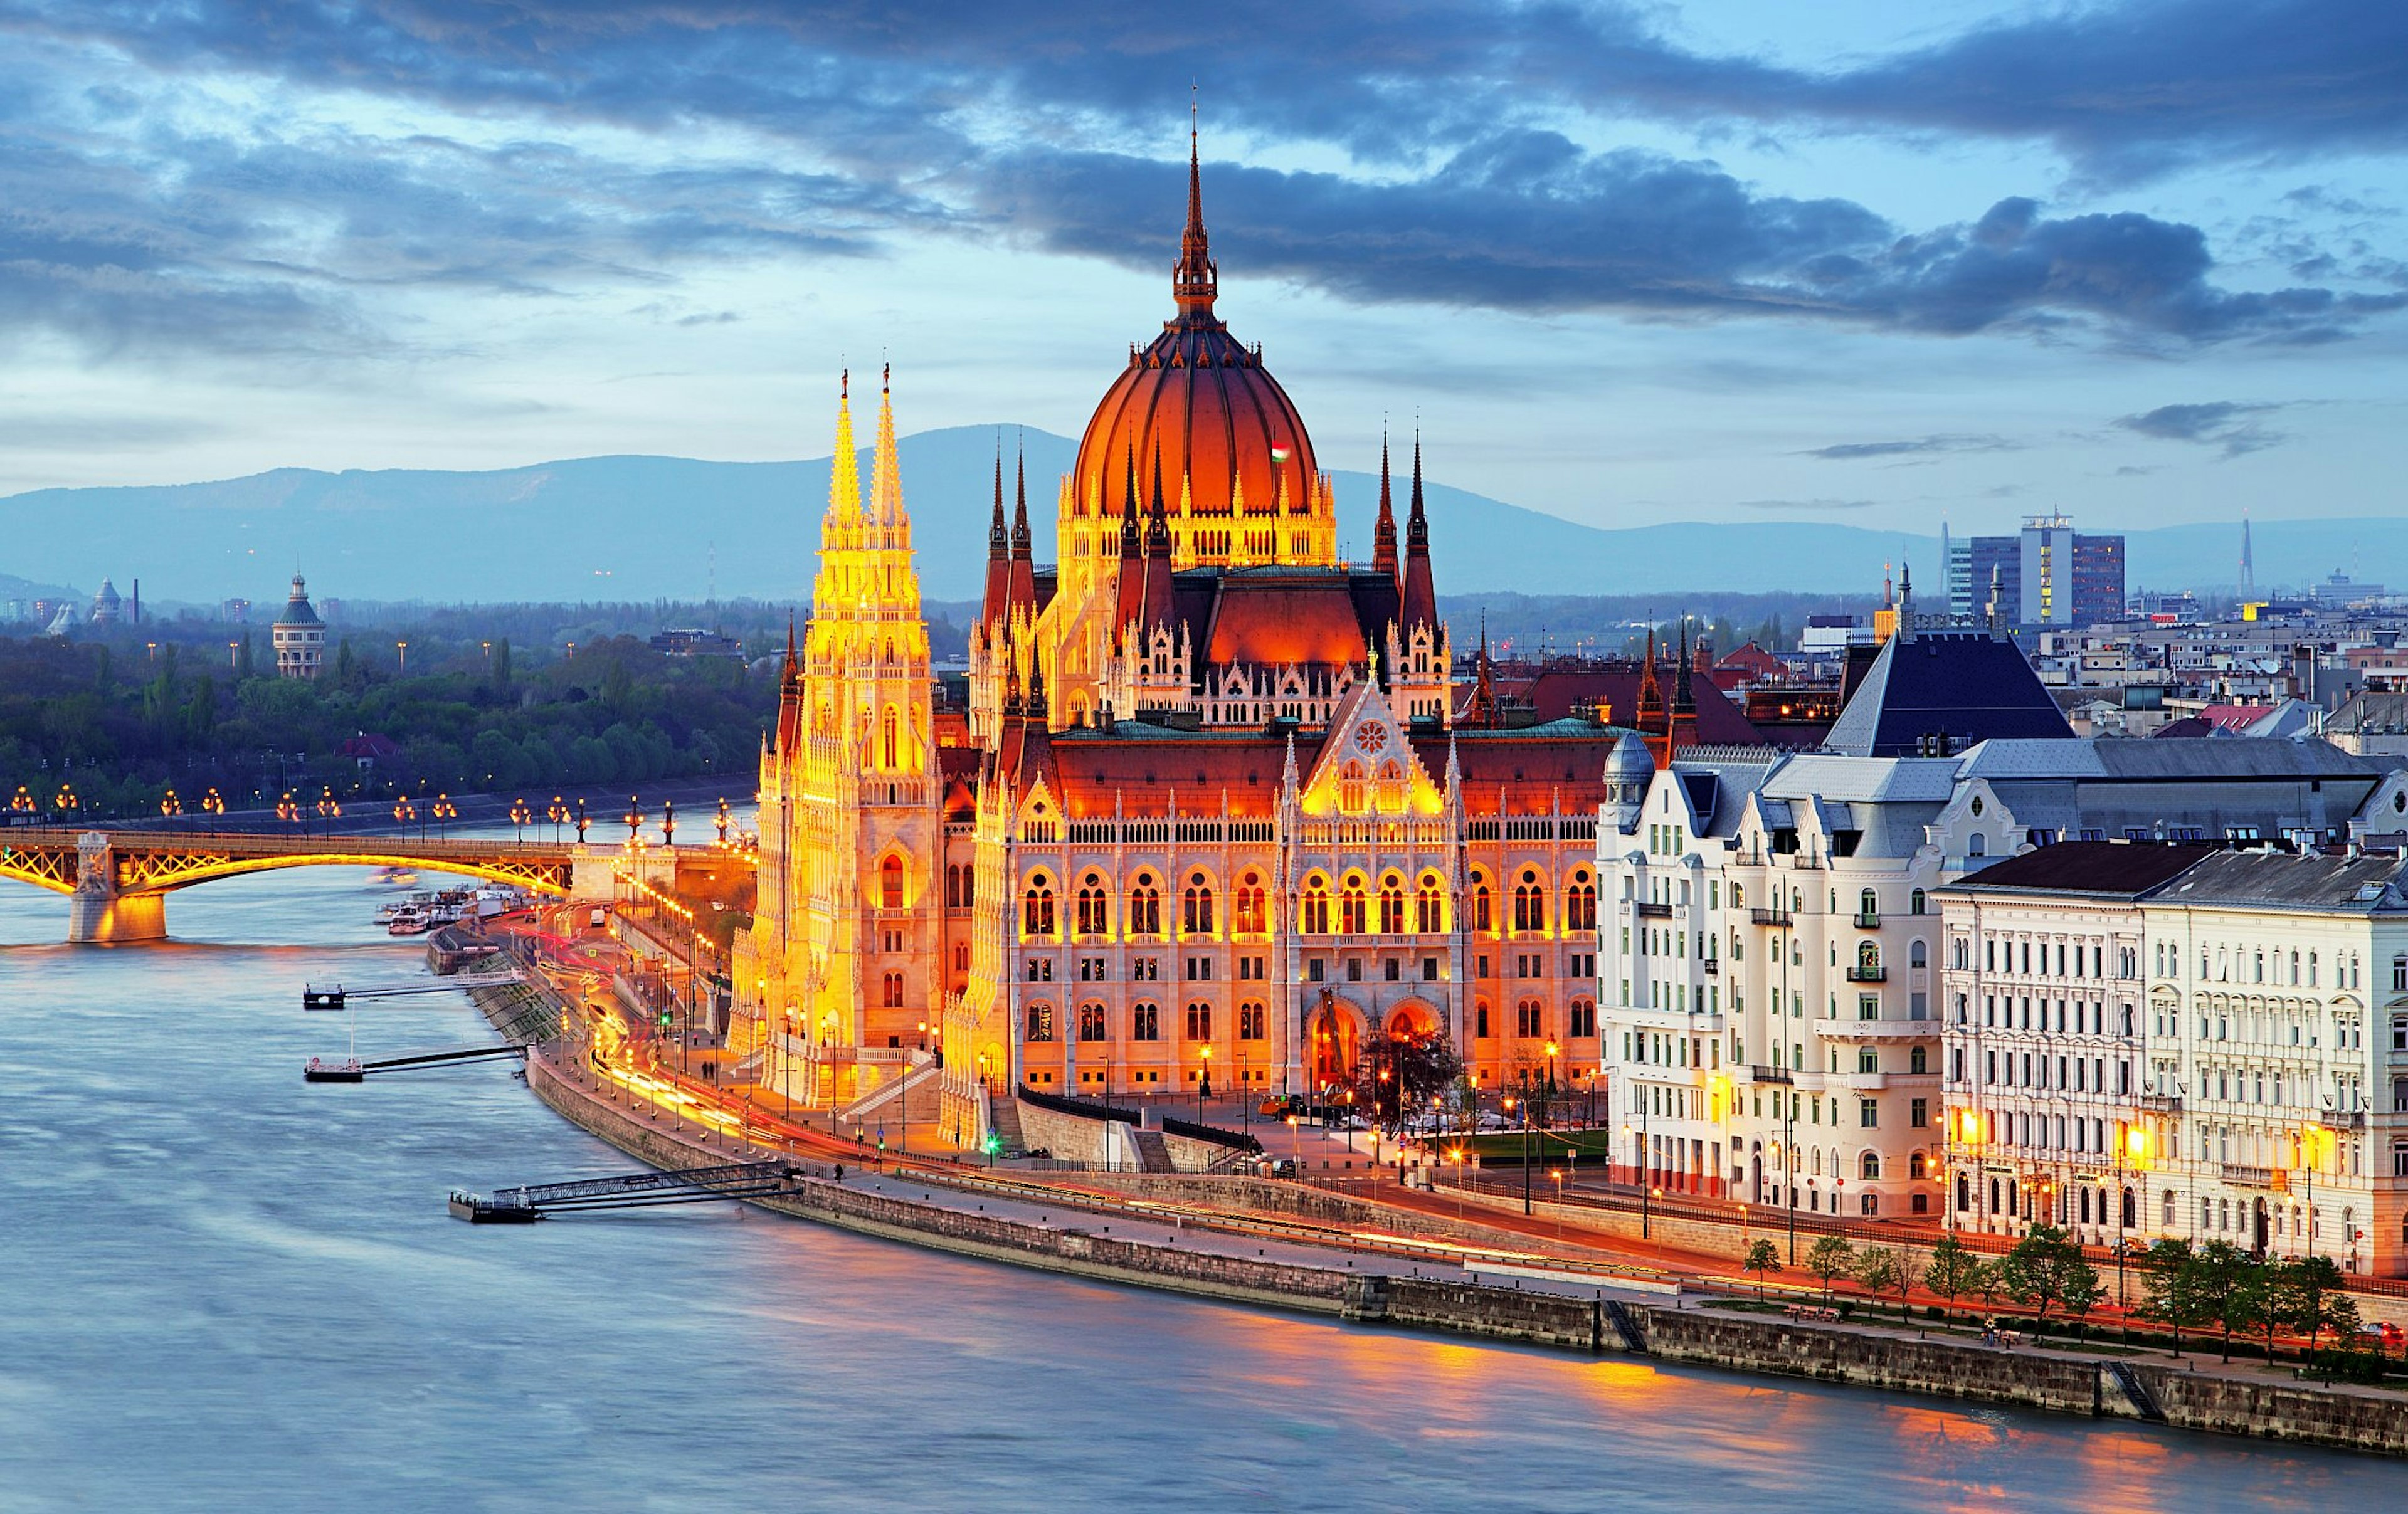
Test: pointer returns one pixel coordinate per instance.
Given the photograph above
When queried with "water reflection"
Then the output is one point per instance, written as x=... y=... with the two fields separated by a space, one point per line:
x=227 y=1289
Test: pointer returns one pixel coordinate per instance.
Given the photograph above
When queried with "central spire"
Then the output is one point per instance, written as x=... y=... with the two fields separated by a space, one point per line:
x=1196 y=280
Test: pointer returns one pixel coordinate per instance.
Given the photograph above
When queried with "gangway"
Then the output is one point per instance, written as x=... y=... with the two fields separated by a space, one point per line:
x=526 y=1203
x=352 y=1070
x=335 y=997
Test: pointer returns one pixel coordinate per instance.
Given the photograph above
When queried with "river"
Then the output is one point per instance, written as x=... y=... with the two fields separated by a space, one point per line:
x=220 y=1289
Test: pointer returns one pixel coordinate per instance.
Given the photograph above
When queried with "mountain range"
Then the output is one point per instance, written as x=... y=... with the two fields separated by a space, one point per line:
x=641 y=528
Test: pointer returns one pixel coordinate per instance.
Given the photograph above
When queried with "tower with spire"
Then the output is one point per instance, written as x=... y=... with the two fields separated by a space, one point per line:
x=851 y=820
x=1420 y=654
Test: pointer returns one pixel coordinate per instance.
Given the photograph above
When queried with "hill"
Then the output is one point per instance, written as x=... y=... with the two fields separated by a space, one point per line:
x=639 y=528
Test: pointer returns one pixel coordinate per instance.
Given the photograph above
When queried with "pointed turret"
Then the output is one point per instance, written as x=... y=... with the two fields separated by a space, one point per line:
x=1650 y=692
x=998 y=599
x=1483 y=708
x=1023 y=595
x=844 y=471
x=885 y=468
x=1160 y=609
x=790 y=696
x=1684 y=700
x=1195 y=282
x=1419 y=601
x=1384 y=534
x=1129 y=591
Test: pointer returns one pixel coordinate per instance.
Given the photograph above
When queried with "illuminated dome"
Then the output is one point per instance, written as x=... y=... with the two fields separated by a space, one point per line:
x=1228 y=440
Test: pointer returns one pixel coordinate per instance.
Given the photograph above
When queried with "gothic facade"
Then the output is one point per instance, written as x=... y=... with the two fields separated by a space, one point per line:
x=1214 y=810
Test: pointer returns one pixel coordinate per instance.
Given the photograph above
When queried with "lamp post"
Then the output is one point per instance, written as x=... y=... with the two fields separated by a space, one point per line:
x=211 y=804
x=170 y=806
x=403 y=649
x=722 y=827
x=67 y=802
x=1789 y=1173
x=583 y=821
x=1203 y=1084
x=329 y=807
x=520 y=815
x=2314 y=1132
x=556 y=812
x=445 y=812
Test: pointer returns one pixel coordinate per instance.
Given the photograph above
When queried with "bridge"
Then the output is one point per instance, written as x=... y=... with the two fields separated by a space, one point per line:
x=117 y=880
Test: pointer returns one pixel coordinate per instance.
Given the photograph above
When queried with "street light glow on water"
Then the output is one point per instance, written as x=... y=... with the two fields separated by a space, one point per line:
x=227 y=1289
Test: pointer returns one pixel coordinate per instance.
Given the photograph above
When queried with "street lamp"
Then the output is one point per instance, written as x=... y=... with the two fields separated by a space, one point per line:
x=445 y=812
x=403 y=813
x=24 y=804
x=403 y=647
x=67 y=802
x=635 y=817
x=2136 y=1142
x=1204 y=1084
x=171 y=806
x=2314 y=1134
x=556 y=812
x=669 y=823
x=722 y=821
x=210 y=803
x=520 y=815
x=581 y=822
x=287 y=809
x=329 y=807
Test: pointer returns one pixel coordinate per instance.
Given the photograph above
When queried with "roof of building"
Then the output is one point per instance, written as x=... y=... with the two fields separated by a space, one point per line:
x=2122 y=869
x=2370 y=711
x=1963 y=686
x=1573 y=687
x=2281 y=879
x=296 y=609
x=1278 y=616
x=2132 y=760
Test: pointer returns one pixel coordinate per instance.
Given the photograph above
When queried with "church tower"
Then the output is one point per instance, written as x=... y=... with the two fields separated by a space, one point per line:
x=850 y=940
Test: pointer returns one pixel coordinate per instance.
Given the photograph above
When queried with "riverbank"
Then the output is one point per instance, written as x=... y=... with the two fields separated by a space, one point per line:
x=1590 y=1323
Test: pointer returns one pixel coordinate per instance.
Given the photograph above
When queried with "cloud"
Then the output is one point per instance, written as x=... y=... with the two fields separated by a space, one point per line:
x=625 y=143
x=1921 y=446
x=2228 y=424
x=1813 y=504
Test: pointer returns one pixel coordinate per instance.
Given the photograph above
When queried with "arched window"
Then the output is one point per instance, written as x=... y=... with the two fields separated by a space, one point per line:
x=1093 y=1025
x=1529 y=903
x=1870 y=1166
x=1093 y=916
x=1145 y=906
x=1916 y=903
x=1867 y=906
x=1429 y=913
x=890 y=883
x=1914 y=1167
x=1392 y=788
x=1350 y=788
x=1036 y=906
x=1041 y=1021
x=1145 y=1022
x=1195 y=906
x=1352 y=913
x=952 y=885
x=1580 y=902
x=1251 y=915
x=1484 y=908
x=1956 y=953
x=1868 y=957
x=1392 y=906
x=1316 y=906
x=892 y=996
x=1914 y=955
x=1917 y=1059
x=891 y=743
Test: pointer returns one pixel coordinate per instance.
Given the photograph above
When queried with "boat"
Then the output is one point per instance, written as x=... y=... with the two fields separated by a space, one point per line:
x=410 y=920
x=398 y=876
x=346 y=1070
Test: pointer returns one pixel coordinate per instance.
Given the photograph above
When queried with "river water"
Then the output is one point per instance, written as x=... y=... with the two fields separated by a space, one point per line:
x=222 y=1288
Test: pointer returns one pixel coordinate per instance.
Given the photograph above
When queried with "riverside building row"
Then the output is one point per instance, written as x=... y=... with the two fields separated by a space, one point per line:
x=1778 y=977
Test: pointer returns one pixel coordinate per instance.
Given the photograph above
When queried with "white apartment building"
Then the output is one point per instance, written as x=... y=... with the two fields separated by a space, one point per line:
x=2148 y=1042
x=2278 y=1013
x=1770 y=946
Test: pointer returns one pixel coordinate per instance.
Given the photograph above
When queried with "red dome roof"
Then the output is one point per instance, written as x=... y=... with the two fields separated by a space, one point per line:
x=1203 y=402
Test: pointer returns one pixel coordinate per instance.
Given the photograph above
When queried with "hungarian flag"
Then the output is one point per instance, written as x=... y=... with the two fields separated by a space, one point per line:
x=1279 y=454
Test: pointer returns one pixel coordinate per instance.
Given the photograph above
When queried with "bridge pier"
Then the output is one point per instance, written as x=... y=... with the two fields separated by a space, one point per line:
x=97 y=913
x=100 y=918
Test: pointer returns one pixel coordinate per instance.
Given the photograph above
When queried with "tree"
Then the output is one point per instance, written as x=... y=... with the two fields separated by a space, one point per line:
x=1761 y=1258
x=1889 y=1269
x=1953 y=1270
x=1830 y=1257
x=502 y=663
x=2223 y=1273
x=2309 y=1297
x=2255 y=1305
x=2169 y=1274
x=2047 y=1271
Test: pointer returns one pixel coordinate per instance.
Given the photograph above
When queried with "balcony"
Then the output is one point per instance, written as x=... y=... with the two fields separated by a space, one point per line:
x=1771 y=917
x=2162 y=1103
x=2252 y=1177
x=1767 y=1075
x=1867 y=923
x=1866 y=1082
x=1713 y=967
x=1868 y=975
x=1647 y=910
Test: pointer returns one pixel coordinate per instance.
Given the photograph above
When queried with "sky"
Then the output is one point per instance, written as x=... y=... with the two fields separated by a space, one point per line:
x=1624 y=263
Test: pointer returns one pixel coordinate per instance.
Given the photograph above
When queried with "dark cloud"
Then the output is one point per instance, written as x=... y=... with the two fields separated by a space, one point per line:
x=850 y=124
x=1919 y=447
x=2230 y=425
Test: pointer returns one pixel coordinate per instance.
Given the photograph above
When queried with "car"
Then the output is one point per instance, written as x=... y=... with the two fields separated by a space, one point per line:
x=2382 y=1336
x=1279 y=1167
x=598 y=918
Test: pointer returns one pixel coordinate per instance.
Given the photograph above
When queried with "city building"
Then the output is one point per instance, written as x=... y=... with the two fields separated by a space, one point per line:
x=2047 y=574
x=1213 y=812
x=1769 y=946
x=298 y=636
x=107 y=606
x=2146 y=1041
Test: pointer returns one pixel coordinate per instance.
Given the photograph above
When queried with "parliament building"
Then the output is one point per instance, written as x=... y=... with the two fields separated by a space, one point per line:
x=1217 y=807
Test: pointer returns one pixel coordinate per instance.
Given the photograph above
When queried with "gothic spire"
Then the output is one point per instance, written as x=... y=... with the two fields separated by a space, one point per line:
x=886 y=469
x=1418 y=605
x=998 y=600
x=1196 y=280
x=1384 y=534
x=844 y=473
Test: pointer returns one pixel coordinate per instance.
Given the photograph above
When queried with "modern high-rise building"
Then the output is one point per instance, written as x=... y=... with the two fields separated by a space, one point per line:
x=2048 y=573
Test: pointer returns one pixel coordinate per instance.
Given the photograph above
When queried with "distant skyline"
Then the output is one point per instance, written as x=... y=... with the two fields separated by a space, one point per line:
x=1621 y=263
